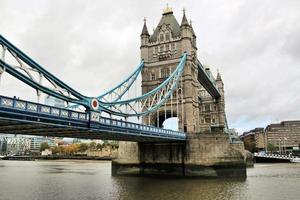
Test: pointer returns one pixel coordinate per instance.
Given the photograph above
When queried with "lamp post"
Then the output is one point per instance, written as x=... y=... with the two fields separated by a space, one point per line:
x=279 y=141
x=284 y=144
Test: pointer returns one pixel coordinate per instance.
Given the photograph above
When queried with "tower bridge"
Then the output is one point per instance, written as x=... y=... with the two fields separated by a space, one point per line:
x=174 y=84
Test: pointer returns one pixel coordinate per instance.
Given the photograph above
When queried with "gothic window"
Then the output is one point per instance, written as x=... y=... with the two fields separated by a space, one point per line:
x=167 y=47
x=213 y=120
x=161 y=48
x=207 y=119
x=207 y=107
x=155 y=50
x=173 y=46
x=202 y=121
x=153 y=76
x=167 y=36
x=161 y=37
x=164 y=73
x=215 y=107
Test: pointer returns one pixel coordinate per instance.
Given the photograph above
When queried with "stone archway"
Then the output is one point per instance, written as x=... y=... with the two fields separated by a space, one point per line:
x=158 y=118
x=171 y=123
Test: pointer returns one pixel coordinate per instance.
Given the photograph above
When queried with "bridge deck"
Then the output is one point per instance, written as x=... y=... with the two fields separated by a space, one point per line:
x=28 y=118
x=208 y=82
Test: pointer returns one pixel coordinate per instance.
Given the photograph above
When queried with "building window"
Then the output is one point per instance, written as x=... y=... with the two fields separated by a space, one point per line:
x=164 y=73
x=173 y=46
x=207 y=120
x=213 y=120
x=153 y=76
x=207 y=107
x=161 y=48
x=161 y=37
x=155 y=50
x=167 y=47
x=167 y=36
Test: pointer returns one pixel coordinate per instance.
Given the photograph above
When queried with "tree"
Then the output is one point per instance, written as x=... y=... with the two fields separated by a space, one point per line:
x=92 y=145
x=55 y=150
x=44 y=146
x=83 y=147
x=99 y=146
x=115 y=145
x=72 y=149
x=271 y=147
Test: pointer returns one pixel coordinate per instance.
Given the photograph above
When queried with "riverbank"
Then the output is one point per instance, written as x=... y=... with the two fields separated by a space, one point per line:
x=56 y=157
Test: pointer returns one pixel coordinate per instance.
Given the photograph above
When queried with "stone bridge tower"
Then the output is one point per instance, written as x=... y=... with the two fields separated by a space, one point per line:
x=196 y=110
x=207 y=150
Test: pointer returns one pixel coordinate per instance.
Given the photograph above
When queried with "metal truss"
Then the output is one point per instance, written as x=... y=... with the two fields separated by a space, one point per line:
x=149 y=102
x=19 y=65
x=120 y=90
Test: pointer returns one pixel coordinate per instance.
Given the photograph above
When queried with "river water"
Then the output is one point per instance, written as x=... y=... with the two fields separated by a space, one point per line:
x=91 y=180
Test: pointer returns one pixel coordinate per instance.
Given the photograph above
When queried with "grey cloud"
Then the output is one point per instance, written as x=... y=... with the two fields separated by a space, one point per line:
x=93 y=45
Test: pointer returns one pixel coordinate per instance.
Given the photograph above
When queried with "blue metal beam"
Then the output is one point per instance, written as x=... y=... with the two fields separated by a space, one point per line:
x=37 y=86
x=59 y=122
x=208 y=82
x=35 y=65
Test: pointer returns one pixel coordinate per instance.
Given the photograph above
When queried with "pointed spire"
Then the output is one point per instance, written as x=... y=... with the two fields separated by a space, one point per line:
x=219 y=78
x=192 y=28
x=167 y=10
x=145 y=29
x=184 y=21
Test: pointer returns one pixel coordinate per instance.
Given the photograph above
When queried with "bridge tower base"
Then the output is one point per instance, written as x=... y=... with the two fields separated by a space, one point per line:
x=202 y=155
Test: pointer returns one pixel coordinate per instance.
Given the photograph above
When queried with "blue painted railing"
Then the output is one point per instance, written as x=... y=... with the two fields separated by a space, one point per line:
x=92 y=117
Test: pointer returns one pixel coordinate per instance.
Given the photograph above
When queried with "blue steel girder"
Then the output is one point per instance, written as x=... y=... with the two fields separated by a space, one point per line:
x=60 y=89
x=148 y=102
x=121 y=89
x=24 y=117
x=207 y=81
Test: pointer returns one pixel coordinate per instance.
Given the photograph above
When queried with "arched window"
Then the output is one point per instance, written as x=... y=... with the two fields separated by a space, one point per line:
x=167 y=36
x=152 y=76
x=161 y=48
x=155 y=50
x=167 y=47
x=165 y=73
x=161 y=37
x=173 y=46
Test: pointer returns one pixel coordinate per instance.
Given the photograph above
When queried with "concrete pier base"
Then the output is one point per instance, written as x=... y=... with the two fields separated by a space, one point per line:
x=203 y=155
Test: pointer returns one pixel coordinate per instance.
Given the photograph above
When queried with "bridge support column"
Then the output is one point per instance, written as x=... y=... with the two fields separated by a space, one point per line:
x=202 y=155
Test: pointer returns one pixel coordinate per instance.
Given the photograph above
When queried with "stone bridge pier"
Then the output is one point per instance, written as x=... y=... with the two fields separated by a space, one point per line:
x=203 y=155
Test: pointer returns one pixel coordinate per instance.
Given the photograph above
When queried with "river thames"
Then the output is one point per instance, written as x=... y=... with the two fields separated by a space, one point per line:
x=92 y=180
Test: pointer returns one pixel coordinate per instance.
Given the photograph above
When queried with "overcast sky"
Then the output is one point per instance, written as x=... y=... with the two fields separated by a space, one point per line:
x=92 y=45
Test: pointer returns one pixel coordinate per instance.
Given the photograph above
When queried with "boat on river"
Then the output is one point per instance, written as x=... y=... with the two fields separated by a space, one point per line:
x=295 y=160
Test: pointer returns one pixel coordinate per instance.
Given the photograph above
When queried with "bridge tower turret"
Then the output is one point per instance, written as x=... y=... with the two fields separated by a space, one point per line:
x=188 y=36
x=221 y=102
x=161 y=52
x=207 y=150
x=144 y=42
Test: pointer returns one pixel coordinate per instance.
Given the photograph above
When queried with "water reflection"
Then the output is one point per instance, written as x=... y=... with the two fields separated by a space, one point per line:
x=22 y=180
x=155 y=188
